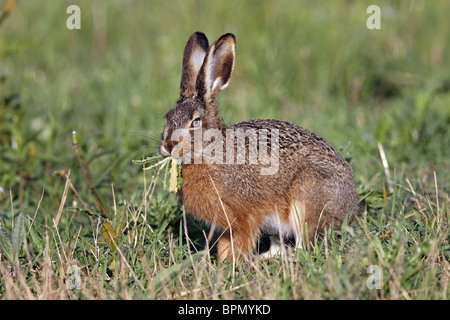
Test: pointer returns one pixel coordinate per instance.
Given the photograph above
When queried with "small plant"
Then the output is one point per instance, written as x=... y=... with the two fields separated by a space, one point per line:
x=174 y=170
x=10 y=245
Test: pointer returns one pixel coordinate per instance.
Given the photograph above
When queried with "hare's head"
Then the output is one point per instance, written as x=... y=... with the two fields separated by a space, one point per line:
x=206 y=71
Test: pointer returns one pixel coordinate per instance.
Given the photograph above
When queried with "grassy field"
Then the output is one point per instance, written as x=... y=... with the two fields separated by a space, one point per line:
x=381 y=97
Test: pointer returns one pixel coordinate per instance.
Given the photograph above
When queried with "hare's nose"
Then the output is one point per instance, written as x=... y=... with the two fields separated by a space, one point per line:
x=165 y=150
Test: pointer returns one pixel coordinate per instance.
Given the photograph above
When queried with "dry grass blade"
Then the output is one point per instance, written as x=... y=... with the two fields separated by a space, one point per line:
x=385 y=166
x=63 y=201
x=9 y=6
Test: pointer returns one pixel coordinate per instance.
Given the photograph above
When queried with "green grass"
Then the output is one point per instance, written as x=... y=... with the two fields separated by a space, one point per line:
x=312 y=63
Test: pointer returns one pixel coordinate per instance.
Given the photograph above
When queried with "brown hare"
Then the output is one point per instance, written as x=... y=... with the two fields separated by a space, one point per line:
x=255 y=176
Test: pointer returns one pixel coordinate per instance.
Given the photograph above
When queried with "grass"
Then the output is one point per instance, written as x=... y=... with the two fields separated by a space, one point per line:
x=379 y=96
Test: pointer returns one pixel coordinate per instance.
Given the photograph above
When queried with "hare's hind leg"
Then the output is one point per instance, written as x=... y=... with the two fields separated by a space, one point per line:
x=224 y=246
x=236 y=244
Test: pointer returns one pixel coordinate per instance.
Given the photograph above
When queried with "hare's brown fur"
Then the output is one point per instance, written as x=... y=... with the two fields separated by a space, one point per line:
x=313 y=185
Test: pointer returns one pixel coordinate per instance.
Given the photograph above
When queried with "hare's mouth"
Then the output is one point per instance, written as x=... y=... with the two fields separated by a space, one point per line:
x=164 y=151
x=177 y=151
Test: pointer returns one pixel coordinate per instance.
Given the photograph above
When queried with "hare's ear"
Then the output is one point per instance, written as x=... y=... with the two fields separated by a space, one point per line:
x=217 y=68
x=194 y=54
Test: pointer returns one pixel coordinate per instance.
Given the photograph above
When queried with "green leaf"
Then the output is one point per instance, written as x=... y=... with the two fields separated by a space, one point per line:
x=36 y=239
x=5 y=244
x=147 y=160
x=17 y=236
x=375 y=199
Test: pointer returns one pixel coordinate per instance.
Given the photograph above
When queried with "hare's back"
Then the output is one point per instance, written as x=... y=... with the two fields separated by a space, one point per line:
x=294 y=140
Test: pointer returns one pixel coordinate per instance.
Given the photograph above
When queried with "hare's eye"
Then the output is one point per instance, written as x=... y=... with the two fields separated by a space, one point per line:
x=196 y=122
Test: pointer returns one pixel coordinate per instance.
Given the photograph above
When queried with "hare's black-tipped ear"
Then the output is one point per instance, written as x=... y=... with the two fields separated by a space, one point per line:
x=194 y=54
x=217 y=68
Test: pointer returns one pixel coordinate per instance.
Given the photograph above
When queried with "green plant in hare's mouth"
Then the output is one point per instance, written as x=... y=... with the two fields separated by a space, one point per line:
x=174 y=169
